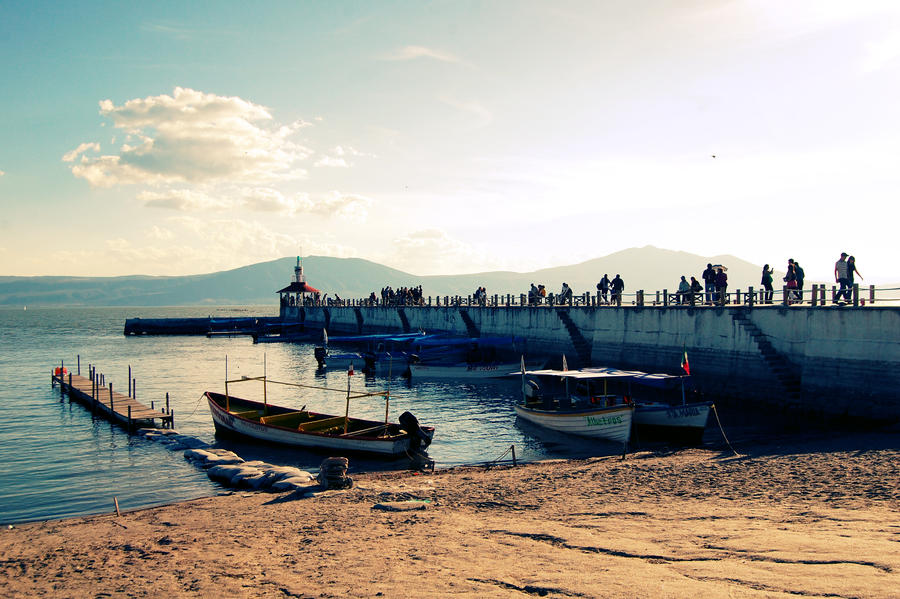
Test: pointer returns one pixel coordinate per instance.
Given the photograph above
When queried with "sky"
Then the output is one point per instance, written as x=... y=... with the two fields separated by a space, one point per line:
x=172 y=138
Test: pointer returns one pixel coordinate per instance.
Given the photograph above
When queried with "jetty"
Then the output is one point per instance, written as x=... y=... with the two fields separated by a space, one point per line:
x=94 y=393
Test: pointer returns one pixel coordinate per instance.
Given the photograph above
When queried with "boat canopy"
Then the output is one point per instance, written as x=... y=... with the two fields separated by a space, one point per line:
x=444 y=341
x=661 y=381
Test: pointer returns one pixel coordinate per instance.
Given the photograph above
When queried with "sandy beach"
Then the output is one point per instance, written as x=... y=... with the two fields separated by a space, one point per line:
x=818 y=516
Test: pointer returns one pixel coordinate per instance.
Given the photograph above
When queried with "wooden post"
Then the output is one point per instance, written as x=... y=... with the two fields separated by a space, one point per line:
x=750 y=296
x=79 y=364
x=111 y=407
x=167 y=402
x=822 y=295
x=70 y=385
x=134 y=389
x=871 y=294
x=665 y=297
x=833 y=294
x=784 y=295
x=172 y=419
x=855 y=294
x=129 y=418
x=152 y=406
x=116 y=501
x=129 y=380
x=513 y=449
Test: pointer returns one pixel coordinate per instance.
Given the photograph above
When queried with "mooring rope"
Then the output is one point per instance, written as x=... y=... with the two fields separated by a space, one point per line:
x=722 y=430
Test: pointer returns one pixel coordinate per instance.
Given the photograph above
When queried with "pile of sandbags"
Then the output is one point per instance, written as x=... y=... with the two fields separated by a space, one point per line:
x=229 y=469
x=171 y=439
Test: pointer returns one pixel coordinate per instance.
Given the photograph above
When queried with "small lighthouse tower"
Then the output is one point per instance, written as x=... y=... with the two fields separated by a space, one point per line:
x=298 y=293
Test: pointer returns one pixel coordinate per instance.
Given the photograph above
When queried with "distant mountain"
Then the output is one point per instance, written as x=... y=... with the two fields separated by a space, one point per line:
x=647 y=268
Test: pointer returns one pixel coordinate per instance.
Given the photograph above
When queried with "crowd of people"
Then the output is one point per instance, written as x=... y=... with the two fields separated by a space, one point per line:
x=713 y=290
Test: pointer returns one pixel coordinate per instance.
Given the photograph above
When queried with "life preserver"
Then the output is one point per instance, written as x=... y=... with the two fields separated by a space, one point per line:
x=60 y=371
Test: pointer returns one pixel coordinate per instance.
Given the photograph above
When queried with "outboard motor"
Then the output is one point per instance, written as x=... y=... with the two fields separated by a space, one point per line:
x=418 y=438
x=320 y=352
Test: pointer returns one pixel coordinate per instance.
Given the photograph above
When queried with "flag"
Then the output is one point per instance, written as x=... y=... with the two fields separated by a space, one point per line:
x=565 y=366
x=685 y=366
x=350 y=370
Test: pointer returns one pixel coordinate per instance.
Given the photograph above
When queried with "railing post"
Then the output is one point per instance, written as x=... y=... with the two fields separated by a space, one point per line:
x=111 y=408
x=656 y=303
x=871 y=294
x=784 y=295
x=750 y=296
x=665 y=297
x=855 y=294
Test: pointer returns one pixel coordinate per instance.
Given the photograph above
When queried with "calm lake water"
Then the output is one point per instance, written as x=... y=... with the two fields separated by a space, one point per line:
x=56 y=460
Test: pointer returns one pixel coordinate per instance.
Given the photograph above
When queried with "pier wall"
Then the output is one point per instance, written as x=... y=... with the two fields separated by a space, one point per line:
x=838 y=361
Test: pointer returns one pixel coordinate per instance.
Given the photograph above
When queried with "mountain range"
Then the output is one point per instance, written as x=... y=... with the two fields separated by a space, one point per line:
x=648 y=268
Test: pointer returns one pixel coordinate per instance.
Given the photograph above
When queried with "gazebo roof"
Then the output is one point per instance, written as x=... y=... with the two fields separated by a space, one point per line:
x=301 y=287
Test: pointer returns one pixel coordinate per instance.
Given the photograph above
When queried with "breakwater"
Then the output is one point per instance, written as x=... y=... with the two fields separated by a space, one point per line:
x=835 y=361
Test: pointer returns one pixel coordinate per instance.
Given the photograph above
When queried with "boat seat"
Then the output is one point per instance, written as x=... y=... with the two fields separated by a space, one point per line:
x=278 y=418
x=248 y=415
x=317 y=425
x=364 y=431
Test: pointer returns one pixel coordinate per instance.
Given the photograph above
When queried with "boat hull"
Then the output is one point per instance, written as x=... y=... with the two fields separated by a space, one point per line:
x=612 y=423
x=233 y=423
x=683 y=423
x=462 y=371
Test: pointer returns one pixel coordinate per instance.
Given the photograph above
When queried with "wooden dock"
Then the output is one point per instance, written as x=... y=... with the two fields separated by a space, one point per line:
x=101 y=399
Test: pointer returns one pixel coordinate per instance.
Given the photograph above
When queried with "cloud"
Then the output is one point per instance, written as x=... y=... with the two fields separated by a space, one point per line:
x=433 y=250
x=881 y=53
x=193 y=137
x=271 y=200
x=347 y=206
x=182 y=199
x=334 y=161
x=71 y=156
x=414 y=52
x=481 y=115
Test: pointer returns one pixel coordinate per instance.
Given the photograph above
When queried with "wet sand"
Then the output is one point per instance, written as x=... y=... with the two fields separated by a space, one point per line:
x=817 y=516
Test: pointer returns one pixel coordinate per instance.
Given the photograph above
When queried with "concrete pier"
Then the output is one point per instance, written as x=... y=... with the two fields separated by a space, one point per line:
x=840 y=361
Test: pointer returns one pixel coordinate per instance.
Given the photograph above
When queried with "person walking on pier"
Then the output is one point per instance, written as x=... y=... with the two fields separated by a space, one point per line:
x=840 y=277
x=684 y=289
x=851 y=270
x=603 y=288
x=617 y=286
x=721 y=287
x=799 y=275
x=709 y=280
x=766 y=282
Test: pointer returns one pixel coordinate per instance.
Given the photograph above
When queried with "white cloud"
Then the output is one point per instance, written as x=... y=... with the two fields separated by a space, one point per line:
x=433 y=250
x=71 y=156
x=481 y=115
x=347 y=206
x=414 y=52
x=334 y=161
x=266 y=199
x=182 y=199
x=881 y=53
x=193 y=137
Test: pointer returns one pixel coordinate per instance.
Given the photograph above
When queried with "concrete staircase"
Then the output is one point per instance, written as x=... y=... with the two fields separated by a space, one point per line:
x=582 y=345
x=783 y=370
x=404 y=320
x=471 y=328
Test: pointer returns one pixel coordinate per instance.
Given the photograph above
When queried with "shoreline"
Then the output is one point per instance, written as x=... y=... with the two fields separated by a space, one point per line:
x=815 y=515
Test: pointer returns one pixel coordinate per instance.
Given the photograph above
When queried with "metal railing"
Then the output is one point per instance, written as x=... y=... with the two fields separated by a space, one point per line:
x=817 y=296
